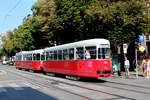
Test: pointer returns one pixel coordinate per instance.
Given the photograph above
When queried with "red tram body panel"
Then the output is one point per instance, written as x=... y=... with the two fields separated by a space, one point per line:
x=29 y=60
x=85 y=68
x=33 y=65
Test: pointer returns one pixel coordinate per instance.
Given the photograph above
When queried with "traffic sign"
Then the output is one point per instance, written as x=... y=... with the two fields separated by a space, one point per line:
x=125 y=46
x=142 y=48
x=141 y=38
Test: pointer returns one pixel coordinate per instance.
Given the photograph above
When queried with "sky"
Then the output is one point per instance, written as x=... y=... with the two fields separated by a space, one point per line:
x=12 y=13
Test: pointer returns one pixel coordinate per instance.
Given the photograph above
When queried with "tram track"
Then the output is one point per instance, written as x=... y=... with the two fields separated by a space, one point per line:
x=129 y=85
x=132 y=88
x=49 y=83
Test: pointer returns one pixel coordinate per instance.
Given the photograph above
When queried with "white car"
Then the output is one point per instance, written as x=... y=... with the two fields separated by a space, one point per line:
x=4 y=62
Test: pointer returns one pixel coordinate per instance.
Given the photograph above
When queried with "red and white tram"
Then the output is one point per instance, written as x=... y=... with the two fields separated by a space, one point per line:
x=87 y=58
x=31 y=60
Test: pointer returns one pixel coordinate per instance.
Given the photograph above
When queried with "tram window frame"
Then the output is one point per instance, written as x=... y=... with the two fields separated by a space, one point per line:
x=29 y=57
x=60 y=55
x=103 y=53
x=65 y=54
x=18 y=58
x=92 y=50
x=42 y=58
x=24 y=57
x=71 y=54
x=36 y=56
x=55 y=55
x=50 y=55
x=47 y=55
x=80 y=53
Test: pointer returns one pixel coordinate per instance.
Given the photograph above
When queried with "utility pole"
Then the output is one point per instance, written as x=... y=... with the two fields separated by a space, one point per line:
x=136 y=65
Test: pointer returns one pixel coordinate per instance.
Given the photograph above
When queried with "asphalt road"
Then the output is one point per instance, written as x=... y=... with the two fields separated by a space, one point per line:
x=23 y=85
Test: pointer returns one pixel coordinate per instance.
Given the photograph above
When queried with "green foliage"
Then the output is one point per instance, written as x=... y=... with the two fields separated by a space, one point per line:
x=70 y=20
x=120 y=21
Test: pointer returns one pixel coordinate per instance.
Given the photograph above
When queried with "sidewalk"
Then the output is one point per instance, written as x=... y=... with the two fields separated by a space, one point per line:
x=133 y=74
x=131 y=80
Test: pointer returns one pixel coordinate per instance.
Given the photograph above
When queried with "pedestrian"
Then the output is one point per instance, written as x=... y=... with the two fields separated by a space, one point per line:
x=144 y=66
x=87 y=54
x=148 y=68
x=126 y=66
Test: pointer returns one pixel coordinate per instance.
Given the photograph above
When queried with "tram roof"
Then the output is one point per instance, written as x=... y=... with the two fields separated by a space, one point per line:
x=31 y=52
x=90 y=42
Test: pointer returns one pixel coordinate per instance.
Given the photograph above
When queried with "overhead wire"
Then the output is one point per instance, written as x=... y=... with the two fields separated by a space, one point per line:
x=8 y=14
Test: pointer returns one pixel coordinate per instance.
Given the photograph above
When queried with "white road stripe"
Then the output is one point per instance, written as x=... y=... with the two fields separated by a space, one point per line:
x=31 y=85
x=15 y=86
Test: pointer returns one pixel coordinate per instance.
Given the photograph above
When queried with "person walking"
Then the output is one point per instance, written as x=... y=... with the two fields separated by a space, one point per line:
x=144 y=66
x=148 y=68
x=126 y=66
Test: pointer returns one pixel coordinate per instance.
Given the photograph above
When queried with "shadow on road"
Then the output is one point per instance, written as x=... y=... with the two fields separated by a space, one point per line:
x=23 y=93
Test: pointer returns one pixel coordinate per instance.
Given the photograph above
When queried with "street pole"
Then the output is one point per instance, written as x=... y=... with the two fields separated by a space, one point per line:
x=136 y=61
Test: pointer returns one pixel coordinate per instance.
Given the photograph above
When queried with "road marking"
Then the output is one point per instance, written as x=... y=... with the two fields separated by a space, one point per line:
x=31 y=85
x=15 y=86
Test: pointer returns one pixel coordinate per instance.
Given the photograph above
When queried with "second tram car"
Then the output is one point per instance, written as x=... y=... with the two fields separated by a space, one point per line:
x=31 y=60
x=87 y=58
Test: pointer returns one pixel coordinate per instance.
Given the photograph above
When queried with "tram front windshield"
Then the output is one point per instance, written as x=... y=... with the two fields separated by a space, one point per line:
x=103 y=53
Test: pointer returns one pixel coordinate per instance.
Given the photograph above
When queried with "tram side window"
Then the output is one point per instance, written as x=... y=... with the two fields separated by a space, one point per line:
x=55 y=55
x=18 y=58
x=65 y=55
x=36 y=56
x=29 y=57
x=59 y=54
x=49 y=55
x=80 y=53
x=24 y=57
x=71 y=54
x=103 y=53
x=90 y=52
x=42 y=57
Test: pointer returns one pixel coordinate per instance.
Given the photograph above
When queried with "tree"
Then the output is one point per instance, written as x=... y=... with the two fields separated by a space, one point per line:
x=43 y=14
x=119 y=19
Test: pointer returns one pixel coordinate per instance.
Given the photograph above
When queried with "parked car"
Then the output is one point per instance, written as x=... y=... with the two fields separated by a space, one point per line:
x=4 y=62
x=11 y=63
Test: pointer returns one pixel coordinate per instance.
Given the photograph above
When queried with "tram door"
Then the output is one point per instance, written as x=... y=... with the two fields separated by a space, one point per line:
x=104 y=61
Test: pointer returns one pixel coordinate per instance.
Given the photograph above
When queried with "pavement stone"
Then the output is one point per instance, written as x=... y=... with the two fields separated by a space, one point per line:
x=131 y=80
